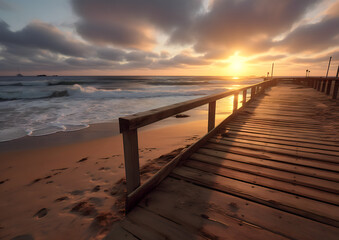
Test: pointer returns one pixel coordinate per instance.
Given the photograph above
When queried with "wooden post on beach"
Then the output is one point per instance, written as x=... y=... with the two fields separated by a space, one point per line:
x=244 y=93
x=252 y=92
x=326 y=80
x=235 y=101
x=336 y=85
x=131 y=154
x=272 y=70
x=211 y=115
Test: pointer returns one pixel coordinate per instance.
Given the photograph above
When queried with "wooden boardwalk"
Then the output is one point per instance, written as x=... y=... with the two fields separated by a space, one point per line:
x=271 y=173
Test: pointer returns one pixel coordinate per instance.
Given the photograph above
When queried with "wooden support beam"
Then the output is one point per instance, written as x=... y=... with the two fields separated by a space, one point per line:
x=211 y=115
x=131 y=154
x=244 y=95
x=324 y=85
x=335 y=90
x=235 y=102
x=329 y=84
x=252 y=92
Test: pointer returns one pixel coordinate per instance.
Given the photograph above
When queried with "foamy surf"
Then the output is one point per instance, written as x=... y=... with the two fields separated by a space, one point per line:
x=36 y=106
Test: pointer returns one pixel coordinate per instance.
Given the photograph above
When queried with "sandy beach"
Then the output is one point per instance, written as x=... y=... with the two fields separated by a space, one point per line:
x=52 y=182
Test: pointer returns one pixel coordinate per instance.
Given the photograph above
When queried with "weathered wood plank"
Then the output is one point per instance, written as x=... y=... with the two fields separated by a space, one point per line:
x=289 y=138
x=266 y=171
x=290 y=146
x=332 y=169
x=266 y=182
x=198 y=201
x=282 y=142
x=324 y=213
x=330 y=160
x=257 y=159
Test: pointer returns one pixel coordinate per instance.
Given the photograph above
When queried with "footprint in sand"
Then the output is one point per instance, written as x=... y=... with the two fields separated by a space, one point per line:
x=60 y=199
x=83 y=159
x=2 y=182
x=84 y=208
x=41 y=213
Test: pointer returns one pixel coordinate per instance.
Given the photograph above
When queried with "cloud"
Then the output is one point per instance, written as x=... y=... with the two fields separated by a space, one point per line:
x=313 y=37
x=7 y=6
x=131 y=23
x=39 y=35
x=247 y=26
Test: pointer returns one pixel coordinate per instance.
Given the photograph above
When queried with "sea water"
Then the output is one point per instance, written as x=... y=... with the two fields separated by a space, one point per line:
x=43 y=105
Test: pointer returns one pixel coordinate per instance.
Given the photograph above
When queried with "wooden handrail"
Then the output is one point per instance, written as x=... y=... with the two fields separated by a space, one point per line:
x=130 y=124
x=138 y=120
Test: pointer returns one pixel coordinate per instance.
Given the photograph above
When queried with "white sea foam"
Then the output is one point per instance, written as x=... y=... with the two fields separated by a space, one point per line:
x=44 y=106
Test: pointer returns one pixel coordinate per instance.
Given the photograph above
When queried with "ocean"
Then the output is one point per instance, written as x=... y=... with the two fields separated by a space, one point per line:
x=36 y=106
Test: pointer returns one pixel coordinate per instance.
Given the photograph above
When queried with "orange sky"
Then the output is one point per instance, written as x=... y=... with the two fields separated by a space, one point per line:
x=153 y=37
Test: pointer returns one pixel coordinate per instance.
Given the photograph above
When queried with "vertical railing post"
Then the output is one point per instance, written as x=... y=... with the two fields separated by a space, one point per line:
x=252 y=92
x=211 y=115
x=244 y=95
x=324 y=85
x=235 y=101
x=131 y=154
x=335 y=90
x=329 y=84
x=319 y=84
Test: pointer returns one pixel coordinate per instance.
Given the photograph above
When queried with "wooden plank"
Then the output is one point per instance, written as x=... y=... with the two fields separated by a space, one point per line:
x=328 y=160
x=131 y=155
x=290 y=146
x=324 y=213
x=280 y=137
x=159 y=227
x=311 y=132
x=283 y=142
x=267 y=171
x=257 y=159
x=274 y=155
x=118 y=232
x=266 y=182
x=193 y=211
x=278 y=132
x=277 y=122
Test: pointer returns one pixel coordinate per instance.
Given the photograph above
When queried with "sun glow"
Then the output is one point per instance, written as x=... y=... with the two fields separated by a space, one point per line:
x=236 y=65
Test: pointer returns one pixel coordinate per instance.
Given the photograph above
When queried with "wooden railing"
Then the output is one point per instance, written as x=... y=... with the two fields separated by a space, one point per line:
x=130 y=124
x=329 y=86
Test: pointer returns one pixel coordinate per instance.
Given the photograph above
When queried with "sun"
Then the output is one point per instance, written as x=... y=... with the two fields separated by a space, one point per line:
x=236 y=65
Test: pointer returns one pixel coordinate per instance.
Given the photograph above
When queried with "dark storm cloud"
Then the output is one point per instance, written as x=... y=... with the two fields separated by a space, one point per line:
x=126 y=22
x=41 y=35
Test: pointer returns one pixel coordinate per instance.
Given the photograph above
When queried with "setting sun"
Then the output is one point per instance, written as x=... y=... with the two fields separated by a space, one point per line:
x=236 y=66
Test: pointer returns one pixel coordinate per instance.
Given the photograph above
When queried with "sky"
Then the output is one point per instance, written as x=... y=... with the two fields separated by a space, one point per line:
x=169 y=37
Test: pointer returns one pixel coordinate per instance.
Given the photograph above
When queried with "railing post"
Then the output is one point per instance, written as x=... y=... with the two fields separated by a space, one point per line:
x=319 y=84
x=324 y=85
x=244 y=93
x=329 y=84
x=211 y=115
x=252 y=92
x=235 y=101
x=131 y=154
x=335 y=90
